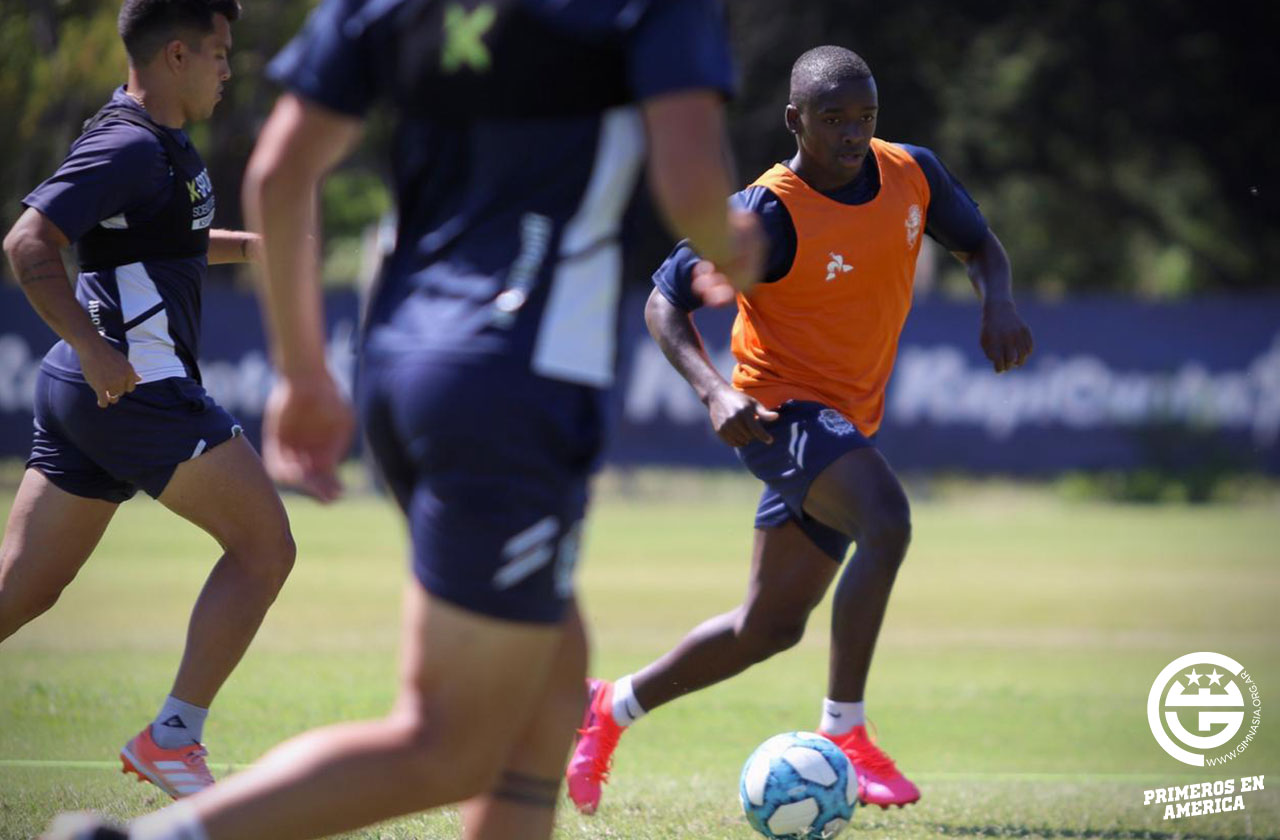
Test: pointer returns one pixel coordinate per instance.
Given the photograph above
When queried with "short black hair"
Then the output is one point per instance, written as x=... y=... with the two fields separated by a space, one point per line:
x=821 y=67
x=147 y=25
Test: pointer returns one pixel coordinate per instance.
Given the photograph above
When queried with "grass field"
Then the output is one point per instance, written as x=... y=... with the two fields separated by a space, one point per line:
x=1011 y=678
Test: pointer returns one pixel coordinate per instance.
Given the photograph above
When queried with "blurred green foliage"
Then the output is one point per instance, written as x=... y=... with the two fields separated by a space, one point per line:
x=1115 y=146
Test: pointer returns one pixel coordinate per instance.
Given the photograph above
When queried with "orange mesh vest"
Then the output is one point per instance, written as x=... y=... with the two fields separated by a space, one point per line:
x=828 y=331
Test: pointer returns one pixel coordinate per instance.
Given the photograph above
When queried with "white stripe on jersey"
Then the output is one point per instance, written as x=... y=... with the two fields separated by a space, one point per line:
x=577 y=335
x=151 y=348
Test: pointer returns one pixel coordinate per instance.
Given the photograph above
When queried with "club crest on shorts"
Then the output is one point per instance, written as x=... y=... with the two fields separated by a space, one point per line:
x=835 y=422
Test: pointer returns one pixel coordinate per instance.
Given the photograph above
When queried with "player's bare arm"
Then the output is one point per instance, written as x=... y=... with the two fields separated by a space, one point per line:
x=1005 y=337
x=735 y=417
x=689 y=170
x=234 y=246
x=308 y=423
x=33 y=247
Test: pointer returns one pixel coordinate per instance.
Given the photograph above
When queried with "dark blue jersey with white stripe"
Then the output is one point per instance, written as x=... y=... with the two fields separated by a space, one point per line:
x=517 y=147
x=144 y=204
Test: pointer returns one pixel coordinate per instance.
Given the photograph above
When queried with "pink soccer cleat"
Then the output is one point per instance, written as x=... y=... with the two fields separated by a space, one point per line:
x=592 y=755
x=180 y=772
x=879 y=781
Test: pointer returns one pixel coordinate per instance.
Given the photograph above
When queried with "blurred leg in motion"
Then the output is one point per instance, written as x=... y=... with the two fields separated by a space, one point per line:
x=448 y=738
x=49 y=536
x=522 y=804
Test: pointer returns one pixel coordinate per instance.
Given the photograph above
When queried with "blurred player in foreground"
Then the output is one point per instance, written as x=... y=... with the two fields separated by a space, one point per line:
x=522 y=128
x=119 y=405
x=815 y=345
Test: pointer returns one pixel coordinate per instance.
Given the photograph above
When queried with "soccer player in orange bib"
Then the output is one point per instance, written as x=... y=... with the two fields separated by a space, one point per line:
x=815 y=346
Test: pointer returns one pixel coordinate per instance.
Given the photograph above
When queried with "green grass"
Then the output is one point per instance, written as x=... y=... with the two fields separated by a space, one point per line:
x=1010 y=680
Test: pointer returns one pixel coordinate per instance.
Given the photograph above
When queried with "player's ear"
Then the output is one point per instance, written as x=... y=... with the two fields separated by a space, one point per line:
x=792 y=118
x=175 y=54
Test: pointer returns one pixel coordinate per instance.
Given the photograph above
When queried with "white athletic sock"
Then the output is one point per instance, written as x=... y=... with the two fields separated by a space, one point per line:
x=177 y=822
x=626 y=708
x=178 y=724
x=840 y=718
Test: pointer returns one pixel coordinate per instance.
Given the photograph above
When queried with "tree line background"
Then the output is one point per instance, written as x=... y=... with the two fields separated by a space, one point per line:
x=1115 y=145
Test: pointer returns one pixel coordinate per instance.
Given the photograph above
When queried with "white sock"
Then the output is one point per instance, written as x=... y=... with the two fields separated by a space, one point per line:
x=626 y=708
x=178 y=724
x=177 y=822
x=840 y=718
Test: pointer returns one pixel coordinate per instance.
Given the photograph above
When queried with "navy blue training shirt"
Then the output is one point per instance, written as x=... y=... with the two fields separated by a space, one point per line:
x=952 y=219
x=118 y=177
x=517 y=147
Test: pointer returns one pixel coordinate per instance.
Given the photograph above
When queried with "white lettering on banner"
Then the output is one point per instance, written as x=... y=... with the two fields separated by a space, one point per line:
x=240 y=386
x=938 y=385
x=18 y=369
x=655 y=390
x=935 y=384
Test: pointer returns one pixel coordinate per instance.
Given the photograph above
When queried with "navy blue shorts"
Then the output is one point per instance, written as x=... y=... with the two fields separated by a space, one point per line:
x=108 y=453
x=807 y=438
x=490 y=464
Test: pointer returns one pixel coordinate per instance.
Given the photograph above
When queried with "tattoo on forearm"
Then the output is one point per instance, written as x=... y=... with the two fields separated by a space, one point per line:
x=45 y=269
x=527 y=790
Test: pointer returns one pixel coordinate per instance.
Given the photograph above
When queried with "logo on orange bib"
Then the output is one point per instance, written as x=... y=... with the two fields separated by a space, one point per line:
x=913 y=225
x=837 y=267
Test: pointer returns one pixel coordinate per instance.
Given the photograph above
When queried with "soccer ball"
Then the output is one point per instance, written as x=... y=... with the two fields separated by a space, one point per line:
x=798 y=784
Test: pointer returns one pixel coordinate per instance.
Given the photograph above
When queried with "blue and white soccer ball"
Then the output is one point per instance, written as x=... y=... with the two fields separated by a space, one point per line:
x=798 y=784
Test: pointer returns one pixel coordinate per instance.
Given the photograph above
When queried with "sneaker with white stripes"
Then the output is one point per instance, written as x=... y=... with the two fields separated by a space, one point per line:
x=179 y=772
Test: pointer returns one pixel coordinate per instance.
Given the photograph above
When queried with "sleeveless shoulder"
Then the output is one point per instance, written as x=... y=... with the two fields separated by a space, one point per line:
x=895 y=161
x=889 y=154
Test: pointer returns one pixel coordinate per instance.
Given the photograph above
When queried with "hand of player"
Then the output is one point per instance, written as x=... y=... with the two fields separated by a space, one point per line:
x=718 y=284
x=737 y=418
x=1005 y=338
x=306 y=430
x=107 y=371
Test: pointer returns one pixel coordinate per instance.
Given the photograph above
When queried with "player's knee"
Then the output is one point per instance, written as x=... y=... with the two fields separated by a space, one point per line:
x=888 y=529
x=438 y=768
x=17 y=607
x=767 y=634
x=268 y=556
x=284 y=554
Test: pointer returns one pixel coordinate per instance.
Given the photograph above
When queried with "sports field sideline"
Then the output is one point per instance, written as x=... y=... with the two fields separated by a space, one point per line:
x=1011 y=679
